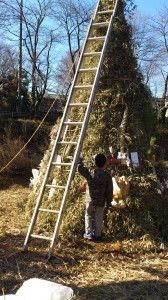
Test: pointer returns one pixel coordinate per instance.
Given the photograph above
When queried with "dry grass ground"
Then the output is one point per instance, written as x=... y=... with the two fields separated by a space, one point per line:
x=108 y=270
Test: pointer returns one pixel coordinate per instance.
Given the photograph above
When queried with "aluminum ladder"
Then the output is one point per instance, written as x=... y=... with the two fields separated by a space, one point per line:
x=72 y=129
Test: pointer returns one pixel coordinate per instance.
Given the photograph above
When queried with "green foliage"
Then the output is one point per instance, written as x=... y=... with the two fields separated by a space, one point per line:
x=9 y=91
x=8 y=128
x=161 y=114
x=24 y=127
x=152 y=141
x=151 y=118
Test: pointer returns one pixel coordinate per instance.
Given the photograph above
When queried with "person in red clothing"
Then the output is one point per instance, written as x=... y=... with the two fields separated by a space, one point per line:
x=99 y=191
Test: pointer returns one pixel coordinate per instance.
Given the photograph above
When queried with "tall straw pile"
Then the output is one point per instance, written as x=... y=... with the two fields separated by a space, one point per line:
x=119 y=119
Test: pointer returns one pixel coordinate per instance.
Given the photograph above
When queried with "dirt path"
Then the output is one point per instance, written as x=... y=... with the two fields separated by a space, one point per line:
x=132 y=270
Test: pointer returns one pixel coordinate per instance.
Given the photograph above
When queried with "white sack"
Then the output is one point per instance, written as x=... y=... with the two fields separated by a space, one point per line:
x=40 y=289
x=7 y=297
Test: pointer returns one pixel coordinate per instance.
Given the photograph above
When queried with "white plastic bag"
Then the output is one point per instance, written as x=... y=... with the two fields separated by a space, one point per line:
x=7 y=297
x=40 y=289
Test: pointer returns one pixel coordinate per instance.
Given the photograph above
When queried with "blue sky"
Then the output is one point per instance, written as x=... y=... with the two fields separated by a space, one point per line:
x=150 y=7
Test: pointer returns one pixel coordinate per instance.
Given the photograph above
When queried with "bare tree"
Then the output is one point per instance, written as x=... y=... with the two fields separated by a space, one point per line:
x=39 y=36
x=73 y=17
x=144 y=45
x=45 y=23
x=159 y=27
x=150 y=47
x=64 y=74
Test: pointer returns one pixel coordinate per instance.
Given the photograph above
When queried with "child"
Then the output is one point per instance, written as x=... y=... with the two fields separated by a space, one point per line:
x=99 y=193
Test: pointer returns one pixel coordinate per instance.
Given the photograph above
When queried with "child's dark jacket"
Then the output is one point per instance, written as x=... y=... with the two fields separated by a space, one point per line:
x=100 y=185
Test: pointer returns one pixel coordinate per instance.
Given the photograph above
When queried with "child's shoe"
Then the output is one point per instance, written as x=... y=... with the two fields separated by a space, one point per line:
x=88 y=236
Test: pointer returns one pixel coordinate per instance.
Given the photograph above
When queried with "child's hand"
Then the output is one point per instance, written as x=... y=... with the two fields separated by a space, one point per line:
x=80 y=160
x=82 y=186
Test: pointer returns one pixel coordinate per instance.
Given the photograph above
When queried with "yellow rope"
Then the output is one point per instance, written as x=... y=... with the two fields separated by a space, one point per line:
x=40 y=122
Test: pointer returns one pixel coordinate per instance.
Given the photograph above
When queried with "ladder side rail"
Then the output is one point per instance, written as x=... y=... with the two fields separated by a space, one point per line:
x=70 y=94
x=98 y=69
x=93 y=91
x=83 y=130
x=103 y=53
x=40 y=196
x=79 y=63
x=41 y=193
x=70 y=177
x=66 y=192
x=68 y=101
x=33 y=220
x=67 y=106
x=94 y=88
x=42 y=189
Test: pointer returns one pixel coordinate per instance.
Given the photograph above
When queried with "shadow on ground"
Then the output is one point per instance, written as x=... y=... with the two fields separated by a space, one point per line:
x=70 y=265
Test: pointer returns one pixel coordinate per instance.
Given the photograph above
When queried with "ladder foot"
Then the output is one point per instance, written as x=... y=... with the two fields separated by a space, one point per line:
x=50 y=257
x=24 y=249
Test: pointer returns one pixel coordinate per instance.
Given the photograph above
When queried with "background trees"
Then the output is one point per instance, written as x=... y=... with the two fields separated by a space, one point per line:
x=52 y=36
x=150 y=41
x=159 y=28
x=48 y=27
x=73 y=17
x=9 y=80
x=38 y=40
x=8 y=77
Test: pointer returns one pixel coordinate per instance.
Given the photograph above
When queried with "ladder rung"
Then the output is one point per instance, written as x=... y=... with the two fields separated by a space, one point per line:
x=73 y=123
x=41 y=237
x=104 y=12
x=61 y=164
x=83 y=86
x=55 y=186
x=68 y=143
x=92 y=53
x=99 y=25
x=70 y=130
x=49 y=210
x=88 y=70
x=97 y=38
x=78 y=104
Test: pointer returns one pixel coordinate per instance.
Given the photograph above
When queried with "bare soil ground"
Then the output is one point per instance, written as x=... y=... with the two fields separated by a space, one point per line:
x=107 y=270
